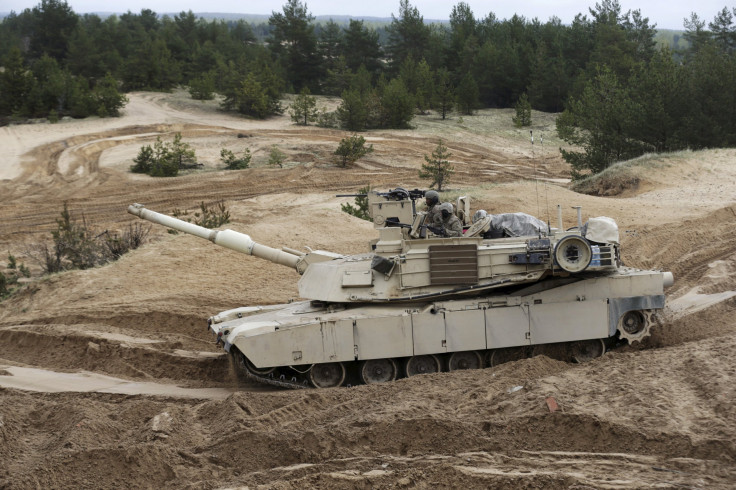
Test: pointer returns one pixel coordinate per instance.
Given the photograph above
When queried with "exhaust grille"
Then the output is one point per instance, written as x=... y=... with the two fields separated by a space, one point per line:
x=453 y=264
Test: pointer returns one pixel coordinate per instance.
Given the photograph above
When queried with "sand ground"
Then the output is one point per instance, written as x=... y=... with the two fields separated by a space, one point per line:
x=109 y=379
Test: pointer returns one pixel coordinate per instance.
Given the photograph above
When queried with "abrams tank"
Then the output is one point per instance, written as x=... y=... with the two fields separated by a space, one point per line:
x=418 y=302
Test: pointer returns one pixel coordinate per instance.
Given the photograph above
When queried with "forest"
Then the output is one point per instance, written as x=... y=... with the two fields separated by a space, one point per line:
x=619 y=94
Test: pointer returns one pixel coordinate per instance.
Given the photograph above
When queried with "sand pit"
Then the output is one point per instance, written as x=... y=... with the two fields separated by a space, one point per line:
x=109 y=378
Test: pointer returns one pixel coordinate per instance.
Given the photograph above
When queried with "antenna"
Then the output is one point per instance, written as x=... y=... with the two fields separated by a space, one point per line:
x=536 y=177
x=546 y=194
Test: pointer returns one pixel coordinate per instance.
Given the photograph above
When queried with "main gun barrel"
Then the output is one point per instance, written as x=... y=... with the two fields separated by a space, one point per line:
x=233 y=240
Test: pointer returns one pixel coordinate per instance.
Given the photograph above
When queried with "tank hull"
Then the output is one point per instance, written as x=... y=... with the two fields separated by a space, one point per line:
x=299 y=336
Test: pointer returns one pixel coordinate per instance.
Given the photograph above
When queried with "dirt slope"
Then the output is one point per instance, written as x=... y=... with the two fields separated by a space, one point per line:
x=116 y=382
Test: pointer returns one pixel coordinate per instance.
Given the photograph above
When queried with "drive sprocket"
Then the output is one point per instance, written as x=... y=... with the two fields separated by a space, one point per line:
x=635 y=325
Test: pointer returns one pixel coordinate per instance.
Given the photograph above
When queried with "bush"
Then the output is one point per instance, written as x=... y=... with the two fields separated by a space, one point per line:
x=232 y=162
x=276 y=157
x=351 y=149
x=9 y=281
x=144 y=161
x=360 y=210
x=76 y=245
x=132 y=238
x=208 y=217
x=164 y=159
x=327 y=119
x=203 y=88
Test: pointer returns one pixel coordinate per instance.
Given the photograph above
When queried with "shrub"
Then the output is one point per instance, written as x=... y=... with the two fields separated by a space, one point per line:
x=9 y=281
x=360 y=210
x=207 y=216
x=203 y=87
x=351 y=149
x=232 y=162
x=327 y=119
x=77 y=246
x=118 y=244
x=276 y=157
x=164 y=159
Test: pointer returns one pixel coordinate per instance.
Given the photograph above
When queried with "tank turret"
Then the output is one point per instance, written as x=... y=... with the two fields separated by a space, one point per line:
x=400 y=267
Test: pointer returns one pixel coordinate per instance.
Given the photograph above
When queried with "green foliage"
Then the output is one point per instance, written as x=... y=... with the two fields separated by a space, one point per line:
x=203 y=87
x=352 y=112
x=360 y=209
x=294 y=44
x=467 y=95
x=143 y=162
x=523 y=115
x=54 y=63
x=351 y=149
x=444 y=93
x=398 y=105
x=9 y=279
x=15 y=83
x=390 y=106
x=234 y=163
x=601 y=122
x=252 y=99
x=276 y=157
x=108 y=100
x=208 y=216
x=164 y=159
x=76 y=245
x=327 y=119
x=408 y=35
x=304 y=109
x=437 y=167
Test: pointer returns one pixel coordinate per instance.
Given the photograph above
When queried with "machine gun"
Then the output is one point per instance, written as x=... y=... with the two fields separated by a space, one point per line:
x=398 y=194
x=417 y=230
x=397 y=205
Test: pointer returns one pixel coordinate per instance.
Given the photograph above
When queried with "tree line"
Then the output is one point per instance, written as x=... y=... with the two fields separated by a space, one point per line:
x=621 y=94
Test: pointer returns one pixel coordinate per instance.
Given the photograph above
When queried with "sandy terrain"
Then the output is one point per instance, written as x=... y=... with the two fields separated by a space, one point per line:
x=109 y=379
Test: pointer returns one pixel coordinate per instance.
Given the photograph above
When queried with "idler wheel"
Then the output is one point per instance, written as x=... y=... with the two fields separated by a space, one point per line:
x=378 y=371
x=327 y=375
x=422 y=365
x=587 y=350
x=464 y=360
x=573 y=253
x=507 y=354
x=251 y=368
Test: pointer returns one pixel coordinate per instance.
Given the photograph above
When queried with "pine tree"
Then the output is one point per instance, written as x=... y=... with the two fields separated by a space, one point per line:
x=352 y=111
x=438 y=168
x=444 y=96
x=467 y=94
x=15 y=83
x=304 y=109
x=523 y=115
x=294 y=44
x=398 y=105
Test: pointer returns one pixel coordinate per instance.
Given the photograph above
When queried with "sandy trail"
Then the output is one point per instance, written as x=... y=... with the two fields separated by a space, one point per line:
x=46 y=381
x=110 y=379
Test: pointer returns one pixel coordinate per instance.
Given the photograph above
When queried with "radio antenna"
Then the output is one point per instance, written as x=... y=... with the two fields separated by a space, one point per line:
x=546 y=194
x=536 y=177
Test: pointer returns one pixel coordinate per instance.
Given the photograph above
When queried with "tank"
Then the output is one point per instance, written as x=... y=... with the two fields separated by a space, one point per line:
x=418 y=302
